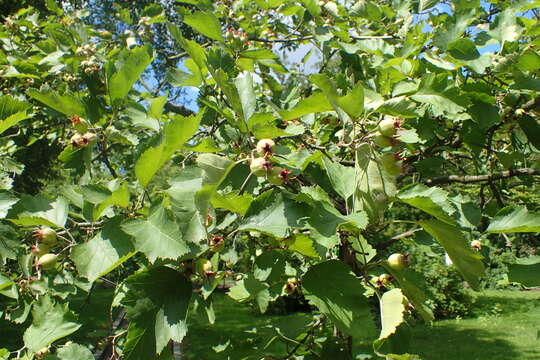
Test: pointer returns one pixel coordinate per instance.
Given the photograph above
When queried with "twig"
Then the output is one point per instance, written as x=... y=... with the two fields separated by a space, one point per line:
x=482 y=178
x=245 y=184
x=396 y=238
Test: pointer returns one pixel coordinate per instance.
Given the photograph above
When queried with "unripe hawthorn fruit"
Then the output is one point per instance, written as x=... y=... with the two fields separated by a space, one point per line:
x=78 y=140
x=398 y=261
x=264 y=146
x=274 y=176
x=291 y=286
x=40 y=249
x=391 y=164
x=205 y=268
x=382 y=141
x=260 y=166
x=376 y=280
x=385 y=279
x=217 y=243
x=47 y=261
x=105 y=34
x=477 y=245
x=387 y=127
x=80 y=124
x=41 y=353
x=46 y=235
x=89 y=137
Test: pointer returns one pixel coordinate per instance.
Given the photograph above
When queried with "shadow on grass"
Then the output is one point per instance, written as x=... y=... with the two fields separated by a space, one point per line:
x=446 y=341
x=239 y=332
x=501 y=305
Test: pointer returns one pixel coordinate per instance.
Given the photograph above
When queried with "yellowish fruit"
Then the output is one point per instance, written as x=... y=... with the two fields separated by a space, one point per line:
x=398 y=261
x=264 y=146
x=47 y=261
x=260 y=166
x=382 y=141
x=387 y=127
x=46 y=235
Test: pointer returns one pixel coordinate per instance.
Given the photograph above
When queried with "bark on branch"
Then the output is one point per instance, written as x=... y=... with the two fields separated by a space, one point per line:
x=178 y=109
x=481 y=178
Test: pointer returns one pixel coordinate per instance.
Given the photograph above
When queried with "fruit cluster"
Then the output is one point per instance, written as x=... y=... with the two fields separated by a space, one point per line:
x=385 y=137
x=81 y=137
x=262 y=167
x=46 y=240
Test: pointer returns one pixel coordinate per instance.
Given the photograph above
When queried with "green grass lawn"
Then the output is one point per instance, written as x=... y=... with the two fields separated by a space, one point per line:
x=505 y=326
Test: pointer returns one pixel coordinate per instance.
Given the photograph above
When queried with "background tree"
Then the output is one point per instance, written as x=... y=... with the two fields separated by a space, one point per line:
x=123 y=212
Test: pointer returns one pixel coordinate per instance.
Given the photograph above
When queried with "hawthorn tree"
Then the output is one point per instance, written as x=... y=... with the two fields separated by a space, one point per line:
x=282 y=182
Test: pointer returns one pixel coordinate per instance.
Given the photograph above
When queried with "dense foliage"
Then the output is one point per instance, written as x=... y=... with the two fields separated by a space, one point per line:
x=326 y=135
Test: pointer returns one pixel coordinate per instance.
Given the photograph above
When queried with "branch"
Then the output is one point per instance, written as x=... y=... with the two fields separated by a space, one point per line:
x=385 y=244
x=310 y=37
x=531 y=104
x=481 y=178
x=178 y=109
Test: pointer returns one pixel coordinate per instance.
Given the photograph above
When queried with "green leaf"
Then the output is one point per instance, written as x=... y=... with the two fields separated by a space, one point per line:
x=74 y=351
x=313 y=104
x=342 y=177
x=467 y=261
x=407 y=280
x=178 y=78
x=258 y=54
x=269 y=266
x=158 y=236
x=232 y=202
x=273 y=213
x=103 y=253
x=514 y=220
x=11 y=112
x=505 y=27
x=263 y=126
x=124 y=71
x=12 y=120
x=244 y=85
x=215 y=167
x=302 y=244
x=392 y=309
x=529 y=61
x=400 y=106
x=155 y=110
x=119 y=197
x=367 y=10
x=463 y=49
x=10 y=106
x=352 y=103
x=337 y=293
x=323 y=217
x=141 y=340
x=195 y=51
x=431 y=200
x=156 y=301
x=68 y=104
x=5 y=282
x=231 y=93
x=205 y=23
x=442 y=96
x=39 y=210
x=50 y=322
x=525 y=271
x=531 y=128
x=76 y=158
x=246 y=289
x=175 y=134
x=6 y=201
x=374 y=184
